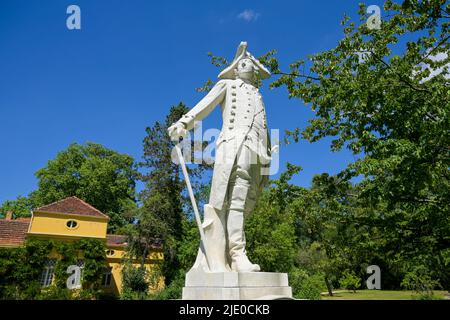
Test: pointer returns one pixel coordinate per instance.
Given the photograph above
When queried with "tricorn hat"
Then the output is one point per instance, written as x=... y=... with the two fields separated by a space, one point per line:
x=242 y=53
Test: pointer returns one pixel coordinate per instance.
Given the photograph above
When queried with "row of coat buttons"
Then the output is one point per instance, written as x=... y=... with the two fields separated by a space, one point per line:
x=233 y=106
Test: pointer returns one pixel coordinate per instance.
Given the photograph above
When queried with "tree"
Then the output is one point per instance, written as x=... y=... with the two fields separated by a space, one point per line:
x=164 y=207
x=350 y=281
x=379 y=93
x=421 y=282
x=327 y=229
x=135 y=285
x=270 y=230
x=21 y=207
x=100 y=176
x=304 y=285
x=103 y=177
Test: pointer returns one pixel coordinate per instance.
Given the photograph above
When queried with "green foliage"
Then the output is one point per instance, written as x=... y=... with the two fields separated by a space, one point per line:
x=270 y=236
x=55 y=293
x=350 y=281
x=164 y=200
x=100 y=176
x=373 y=94
x=128 y=294
x=174 y=290
x=325 y=226
x=140 y=283
x=134 y=282
x=186 y=253
x=270 y=229
x=219 y=62
x=305 y=286
x=21 y=207
x=188 y=245
x=90 y=251
x=420 y=281
x=21 y=269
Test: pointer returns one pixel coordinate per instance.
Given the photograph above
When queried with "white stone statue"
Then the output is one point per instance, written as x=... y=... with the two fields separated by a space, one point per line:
x=241 y=165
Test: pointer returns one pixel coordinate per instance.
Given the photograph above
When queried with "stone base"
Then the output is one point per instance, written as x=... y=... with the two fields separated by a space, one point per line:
x=202 y=285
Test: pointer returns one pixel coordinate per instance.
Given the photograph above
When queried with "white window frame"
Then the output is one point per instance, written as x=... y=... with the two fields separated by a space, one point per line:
x=107 y=277
x=72 y=224
x=48 y=273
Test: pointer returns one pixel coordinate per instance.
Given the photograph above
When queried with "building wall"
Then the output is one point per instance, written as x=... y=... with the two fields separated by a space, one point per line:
x=114 y=261
x=56 y=225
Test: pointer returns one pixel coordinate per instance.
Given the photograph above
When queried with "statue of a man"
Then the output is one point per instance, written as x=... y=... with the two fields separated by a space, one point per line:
x=241 y=164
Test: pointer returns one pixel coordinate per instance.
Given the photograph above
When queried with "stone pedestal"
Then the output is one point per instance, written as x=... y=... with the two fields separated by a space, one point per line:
x=202 y=285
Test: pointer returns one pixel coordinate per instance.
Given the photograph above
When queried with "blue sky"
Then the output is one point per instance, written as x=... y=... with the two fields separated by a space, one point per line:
x=131 y=61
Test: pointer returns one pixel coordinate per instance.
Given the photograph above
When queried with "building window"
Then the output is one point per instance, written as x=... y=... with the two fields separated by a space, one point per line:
x=107 y=276
x=71 y=224
x=47 y=273
x=110 y=252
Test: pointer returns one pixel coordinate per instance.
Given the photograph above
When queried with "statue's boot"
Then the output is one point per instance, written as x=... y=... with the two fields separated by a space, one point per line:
x=236 y=243
x=235 y=220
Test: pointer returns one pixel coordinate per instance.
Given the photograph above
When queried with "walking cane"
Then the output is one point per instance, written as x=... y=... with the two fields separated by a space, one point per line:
x=194 y=204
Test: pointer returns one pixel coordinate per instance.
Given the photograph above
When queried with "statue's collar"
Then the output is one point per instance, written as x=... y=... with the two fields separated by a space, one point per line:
x=242 y=82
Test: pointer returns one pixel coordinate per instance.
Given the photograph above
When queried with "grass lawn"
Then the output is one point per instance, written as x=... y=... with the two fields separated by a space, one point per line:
x=378 y=295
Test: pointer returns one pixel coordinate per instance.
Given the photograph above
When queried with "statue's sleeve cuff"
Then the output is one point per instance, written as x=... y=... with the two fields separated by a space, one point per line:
x=187 y=118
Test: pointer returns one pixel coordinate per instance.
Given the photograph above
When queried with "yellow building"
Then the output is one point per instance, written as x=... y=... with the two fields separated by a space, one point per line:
x=72 y=219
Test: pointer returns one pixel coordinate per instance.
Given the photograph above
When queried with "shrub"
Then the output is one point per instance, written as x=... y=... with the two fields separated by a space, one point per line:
x=305 y=286
x=135 y=285
x=420 y=281
x=21 y=269
x=173 y=290
x=350 y=281
x=55 y=293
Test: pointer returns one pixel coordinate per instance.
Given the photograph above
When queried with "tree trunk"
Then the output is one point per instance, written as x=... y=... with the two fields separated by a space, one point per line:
x=329 y=286
x=144 y=257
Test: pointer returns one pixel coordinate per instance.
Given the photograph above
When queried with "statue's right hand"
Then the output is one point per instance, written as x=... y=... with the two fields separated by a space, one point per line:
x=176 y=131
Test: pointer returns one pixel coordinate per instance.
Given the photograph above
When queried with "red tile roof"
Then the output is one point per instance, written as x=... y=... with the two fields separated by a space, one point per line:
x=114 y=240
x=72 y=205
x=13 y=232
